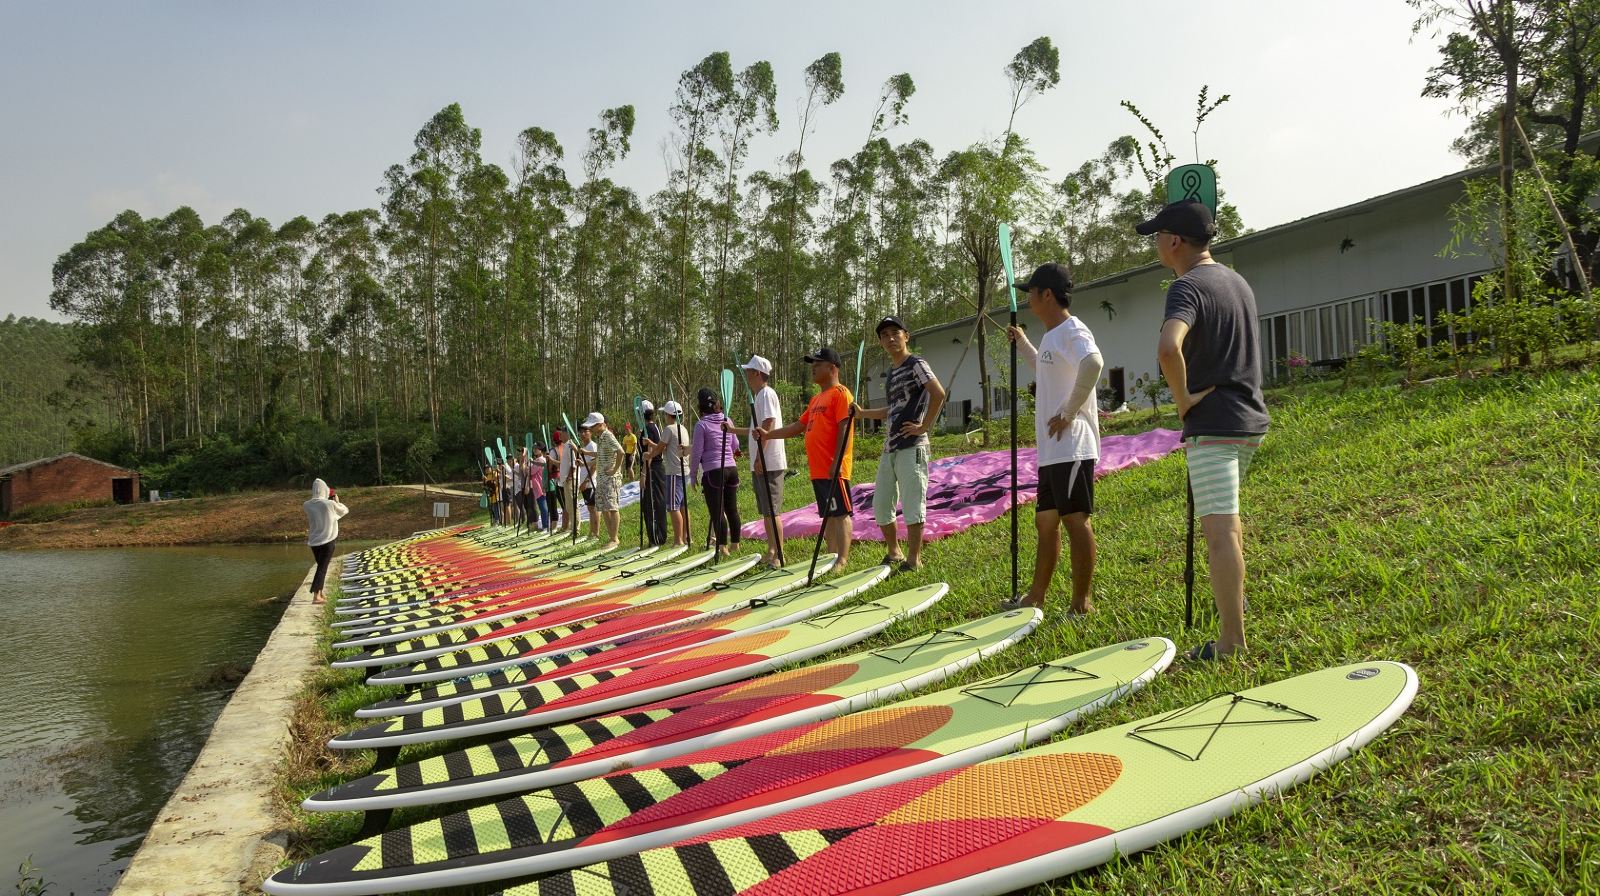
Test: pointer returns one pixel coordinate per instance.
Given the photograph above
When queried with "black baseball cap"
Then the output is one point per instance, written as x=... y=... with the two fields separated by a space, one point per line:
x=1186 y=217
x=1049 y=276
x=891 y=321
x=825 y=354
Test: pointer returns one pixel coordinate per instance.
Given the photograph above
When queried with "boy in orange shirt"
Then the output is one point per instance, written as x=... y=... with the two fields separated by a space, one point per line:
x=828 y=459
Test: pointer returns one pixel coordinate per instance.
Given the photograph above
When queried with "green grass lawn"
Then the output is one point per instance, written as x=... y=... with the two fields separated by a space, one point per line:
x=1451 y=526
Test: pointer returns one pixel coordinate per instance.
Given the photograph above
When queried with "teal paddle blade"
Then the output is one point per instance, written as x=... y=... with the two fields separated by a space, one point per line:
x=727 y=389
x=1005 y=263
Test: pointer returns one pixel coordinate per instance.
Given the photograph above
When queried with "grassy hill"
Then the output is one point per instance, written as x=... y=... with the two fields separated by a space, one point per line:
x=44 y=394
x=1450 y=526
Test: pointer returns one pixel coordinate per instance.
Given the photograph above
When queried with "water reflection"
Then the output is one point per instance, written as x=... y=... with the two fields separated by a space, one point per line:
x=113 y=658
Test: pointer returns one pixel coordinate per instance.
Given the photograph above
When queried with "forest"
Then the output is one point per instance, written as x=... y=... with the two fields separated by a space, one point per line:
x=477 y=300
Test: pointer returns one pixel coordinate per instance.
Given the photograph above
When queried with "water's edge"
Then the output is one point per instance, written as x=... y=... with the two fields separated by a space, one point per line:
x=218 y=824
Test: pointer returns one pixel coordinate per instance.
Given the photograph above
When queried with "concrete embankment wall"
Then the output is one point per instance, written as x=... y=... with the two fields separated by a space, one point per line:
x=217 y=831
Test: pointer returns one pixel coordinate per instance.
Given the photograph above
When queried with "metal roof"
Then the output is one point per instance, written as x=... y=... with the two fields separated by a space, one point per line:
x=18 y=468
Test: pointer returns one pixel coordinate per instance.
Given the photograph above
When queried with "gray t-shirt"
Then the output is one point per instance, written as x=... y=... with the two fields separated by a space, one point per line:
x=908 y=401
x=1221 y=349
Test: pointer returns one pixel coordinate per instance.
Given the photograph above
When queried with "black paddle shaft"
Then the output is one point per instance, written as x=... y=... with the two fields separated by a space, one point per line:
x=845 y=428
x=1188 y=554
x=1014 y=457
x=761 y=477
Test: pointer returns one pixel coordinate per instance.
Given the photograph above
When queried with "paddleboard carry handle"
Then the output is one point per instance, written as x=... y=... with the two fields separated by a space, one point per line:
x=1161 y=724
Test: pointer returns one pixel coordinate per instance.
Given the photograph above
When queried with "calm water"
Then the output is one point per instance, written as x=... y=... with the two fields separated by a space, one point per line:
x=116 y=663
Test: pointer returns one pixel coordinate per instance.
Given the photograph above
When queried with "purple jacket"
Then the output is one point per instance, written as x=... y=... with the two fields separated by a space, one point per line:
x=712 y=449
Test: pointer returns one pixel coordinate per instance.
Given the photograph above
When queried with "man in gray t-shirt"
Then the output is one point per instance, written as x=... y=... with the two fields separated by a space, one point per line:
x=1211 y=359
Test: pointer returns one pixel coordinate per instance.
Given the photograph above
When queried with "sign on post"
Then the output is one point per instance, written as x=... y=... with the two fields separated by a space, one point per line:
x=1193 y=182
x=441 y=511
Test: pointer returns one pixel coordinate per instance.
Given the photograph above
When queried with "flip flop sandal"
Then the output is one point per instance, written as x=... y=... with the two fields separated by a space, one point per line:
x=905 y=566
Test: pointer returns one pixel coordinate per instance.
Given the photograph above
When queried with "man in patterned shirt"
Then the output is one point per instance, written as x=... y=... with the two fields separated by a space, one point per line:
x=915 y=399
x=607 y=476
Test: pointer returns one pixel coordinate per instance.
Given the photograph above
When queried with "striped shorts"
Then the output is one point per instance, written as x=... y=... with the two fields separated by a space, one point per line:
x=1217 y=464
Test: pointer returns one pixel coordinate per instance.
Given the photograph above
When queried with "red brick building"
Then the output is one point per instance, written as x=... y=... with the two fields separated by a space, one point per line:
x=64 y=479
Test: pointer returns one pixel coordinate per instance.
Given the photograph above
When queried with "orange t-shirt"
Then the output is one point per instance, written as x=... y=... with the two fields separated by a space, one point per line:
x=827 y=410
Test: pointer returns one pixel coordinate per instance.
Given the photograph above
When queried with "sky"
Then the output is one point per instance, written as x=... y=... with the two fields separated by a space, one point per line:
x=291 y=108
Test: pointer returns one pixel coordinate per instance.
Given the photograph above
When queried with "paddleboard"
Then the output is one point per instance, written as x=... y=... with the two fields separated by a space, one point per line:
x=709 y=790
x=1014 y=822
x=500 y=661
x=687 y=580
x=609 y=690
x=666 y=728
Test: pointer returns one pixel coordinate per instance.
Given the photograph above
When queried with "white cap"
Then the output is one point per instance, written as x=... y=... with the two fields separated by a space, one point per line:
x=645 y=405
x=594 y=418
x=759 y=365
x=673 y=408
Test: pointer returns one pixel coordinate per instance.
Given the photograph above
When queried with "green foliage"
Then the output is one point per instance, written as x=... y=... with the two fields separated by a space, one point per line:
x=1407 y=344
x=1153 y=388
x=30 y=881
x=45 y=392
x=478 y=299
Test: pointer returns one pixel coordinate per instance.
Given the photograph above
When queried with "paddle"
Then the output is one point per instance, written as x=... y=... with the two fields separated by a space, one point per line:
x=1005 y=263
x=688 y=525
x=1188 y=553
x=726 y=391
x=644 y=469
x=544 y=430
x=846 y=427
x=761 y=475
x=572 y=471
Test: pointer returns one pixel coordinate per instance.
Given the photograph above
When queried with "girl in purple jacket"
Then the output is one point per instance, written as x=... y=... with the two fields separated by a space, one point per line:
x=712 y=465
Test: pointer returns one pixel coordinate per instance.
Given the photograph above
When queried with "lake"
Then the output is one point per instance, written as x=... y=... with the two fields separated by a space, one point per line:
x=118 y=662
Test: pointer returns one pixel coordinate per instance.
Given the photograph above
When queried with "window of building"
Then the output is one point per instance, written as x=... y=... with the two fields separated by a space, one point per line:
x=1324 y=333
x=1429 y=303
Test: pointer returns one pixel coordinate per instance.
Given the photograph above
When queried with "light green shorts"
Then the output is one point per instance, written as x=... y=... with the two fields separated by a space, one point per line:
x=902 y=476
x=1217 y=464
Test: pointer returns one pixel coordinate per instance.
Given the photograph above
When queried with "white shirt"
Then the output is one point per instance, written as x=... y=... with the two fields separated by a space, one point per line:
x=767 y=406
x=323 y=514
x=564 y=465
x=1056 y=372
x=583 y=464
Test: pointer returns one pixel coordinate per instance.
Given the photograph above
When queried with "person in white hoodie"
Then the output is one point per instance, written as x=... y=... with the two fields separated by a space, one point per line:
x=322 y=512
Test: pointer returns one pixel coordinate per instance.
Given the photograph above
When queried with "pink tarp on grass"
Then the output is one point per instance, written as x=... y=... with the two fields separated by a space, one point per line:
x=969 y=489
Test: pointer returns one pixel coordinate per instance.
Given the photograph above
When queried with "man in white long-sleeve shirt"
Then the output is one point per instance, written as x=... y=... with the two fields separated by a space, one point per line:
x=1066 y=425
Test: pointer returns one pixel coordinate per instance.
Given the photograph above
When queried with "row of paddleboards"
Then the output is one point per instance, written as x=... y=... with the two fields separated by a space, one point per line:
x=740 y=747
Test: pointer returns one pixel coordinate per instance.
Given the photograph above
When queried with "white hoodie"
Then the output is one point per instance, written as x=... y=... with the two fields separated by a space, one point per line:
x=323 y=513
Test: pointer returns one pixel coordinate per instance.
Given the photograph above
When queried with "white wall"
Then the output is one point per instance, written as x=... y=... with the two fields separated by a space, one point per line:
x=1396 y=243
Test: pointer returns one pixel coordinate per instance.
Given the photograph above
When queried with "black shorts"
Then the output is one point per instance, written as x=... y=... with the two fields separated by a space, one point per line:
x=1067 y=487
x=588 y=497
x=831 y=499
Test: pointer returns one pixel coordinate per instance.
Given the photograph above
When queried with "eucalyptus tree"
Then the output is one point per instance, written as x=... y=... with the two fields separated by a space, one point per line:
x=422 y=217
x=108 y=282
x=540 y=245
x=993 y=184
x=750 y=110
x=824 y=82
x=605 y=262
x=703 y=92
x=183 y=243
